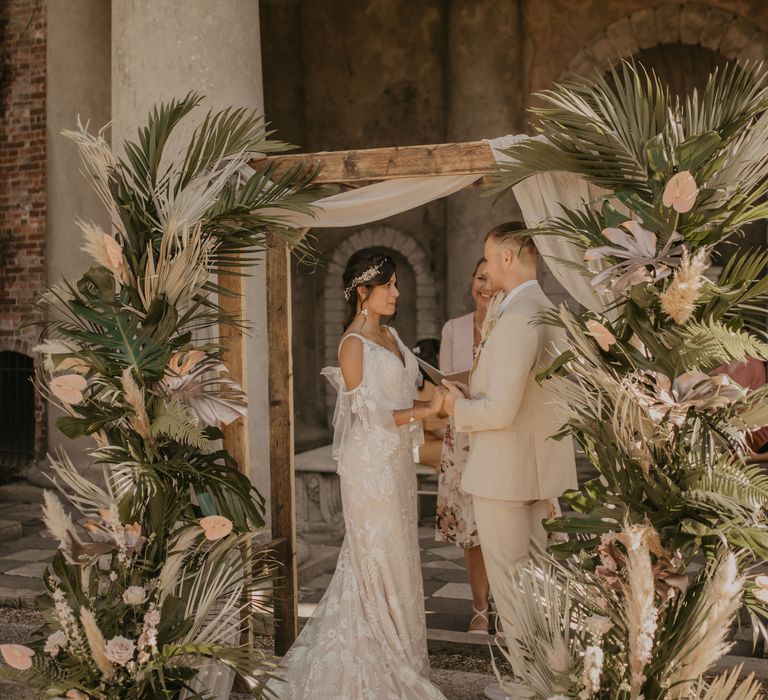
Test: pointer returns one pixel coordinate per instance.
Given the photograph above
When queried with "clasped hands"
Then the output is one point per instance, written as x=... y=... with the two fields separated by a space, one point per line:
x=453 y=392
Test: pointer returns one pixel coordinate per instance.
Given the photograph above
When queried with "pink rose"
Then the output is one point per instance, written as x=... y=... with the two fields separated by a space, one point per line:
x=120 y=650
x=680 y=192
x=17 y=656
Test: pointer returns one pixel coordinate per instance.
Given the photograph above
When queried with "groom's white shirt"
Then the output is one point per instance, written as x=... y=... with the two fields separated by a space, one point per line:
x=512 y=293
x=509 y=416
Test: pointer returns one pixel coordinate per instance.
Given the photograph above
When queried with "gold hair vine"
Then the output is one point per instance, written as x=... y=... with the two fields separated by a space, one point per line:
x=366 y=276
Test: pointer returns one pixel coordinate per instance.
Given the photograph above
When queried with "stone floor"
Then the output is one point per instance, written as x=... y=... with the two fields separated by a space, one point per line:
x=23 y=560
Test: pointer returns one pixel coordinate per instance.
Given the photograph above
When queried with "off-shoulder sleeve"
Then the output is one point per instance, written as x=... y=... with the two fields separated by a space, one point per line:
x=362 y=428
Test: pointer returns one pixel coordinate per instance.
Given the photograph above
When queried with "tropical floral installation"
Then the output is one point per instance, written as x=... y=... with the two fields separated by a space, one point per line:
x=149 y=581
x=640 y=601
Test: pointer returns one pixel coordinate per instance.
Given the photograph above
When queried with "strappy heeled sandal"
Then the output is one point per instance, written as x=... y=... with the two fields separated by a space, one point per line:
x=484 y=615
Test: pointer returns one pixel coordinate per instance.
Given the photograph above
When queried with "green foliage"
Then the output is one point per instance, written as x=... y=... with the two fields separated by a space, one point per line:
x=667 y=440
x=173 y=421
x=176 y=519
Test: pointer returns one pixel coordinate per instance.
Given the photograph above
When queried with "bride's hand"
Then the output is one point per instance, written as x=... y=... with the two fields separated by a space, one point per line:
x=437 y=401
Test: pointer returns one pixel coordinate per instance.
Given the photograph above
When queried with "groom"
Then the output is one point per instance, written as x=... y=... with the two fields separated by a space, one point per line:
x=513 y=467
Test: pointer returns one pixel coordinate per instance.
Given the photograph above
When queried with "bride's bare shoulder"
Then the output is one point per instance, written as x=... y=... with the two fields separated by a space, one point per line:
x=351 y=359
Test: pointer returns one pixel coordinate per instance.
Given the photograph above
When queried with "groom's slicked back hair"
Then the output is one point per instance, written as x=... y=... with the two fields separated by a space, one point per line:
x=511 y=233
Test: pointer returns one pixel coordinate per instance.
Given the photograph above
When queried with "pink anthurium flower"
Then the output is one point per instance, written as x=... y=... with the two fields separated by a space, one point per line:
x=69 y=388
x=215 y=527
x=17 y=656
x=680 y=192
x=601 y=334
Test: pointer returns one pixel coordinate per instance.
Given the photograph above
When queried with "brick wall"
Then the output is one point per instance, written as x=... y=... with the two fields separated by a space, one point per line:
x=22 y=178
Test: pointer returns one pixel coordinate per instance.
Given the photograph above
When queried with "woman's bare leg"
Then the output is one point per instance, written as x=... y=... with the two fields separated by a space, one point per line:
x=478 y=582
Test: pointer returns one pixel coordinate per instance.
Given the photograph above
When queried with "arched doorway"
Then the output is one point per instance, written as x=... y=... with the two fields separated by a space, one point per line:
x=17 y=413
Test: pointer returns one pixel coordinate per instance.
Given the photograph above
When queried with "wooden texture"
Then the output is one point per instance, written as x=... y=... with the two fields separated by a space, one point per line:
x=236 y=433
x=281 y=459
x=374 y=164
x=233 y=343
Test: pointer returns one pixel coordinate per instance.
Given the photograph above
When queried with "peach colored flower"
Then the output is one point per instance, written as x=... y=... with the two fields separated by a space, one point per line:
x=680 y=192
x=17 y=656
x=215 y=527
x=114 y=252
x=76 y=695
x=601 y=334
x=69 y=388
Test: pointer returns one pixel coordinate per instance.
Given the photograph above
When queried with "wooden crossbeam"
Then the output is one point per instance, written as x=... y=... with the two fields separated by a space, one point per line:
x=375 y=164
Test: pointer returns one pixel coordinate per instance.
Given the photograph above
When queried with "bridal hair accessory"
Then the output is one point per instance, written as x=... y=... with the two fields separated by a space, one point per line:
x=362 y=278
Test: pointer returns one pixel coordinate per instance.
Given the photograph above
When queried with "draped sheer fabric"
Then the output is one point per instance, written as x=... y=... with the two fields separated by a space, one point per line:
x=367 y=638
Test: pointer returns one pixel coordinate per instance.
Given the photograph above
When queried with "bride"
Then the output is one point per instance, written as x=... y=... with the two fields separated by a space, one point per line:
x=367 y=638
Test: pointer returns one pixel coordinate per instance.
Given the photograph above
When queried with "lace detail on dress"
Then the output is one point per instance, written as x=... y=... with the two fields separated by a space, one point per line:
x=367 y=639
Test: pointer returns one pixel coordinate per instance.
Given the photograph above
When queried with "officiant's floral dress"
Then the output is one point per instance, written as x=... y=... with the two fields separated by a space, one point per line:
x=455 y=515
x=367 y=638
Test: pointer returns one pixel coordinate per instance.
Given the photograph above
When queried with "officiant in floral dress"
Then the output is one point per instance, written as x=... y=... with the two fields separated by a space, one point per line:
x=455 y=518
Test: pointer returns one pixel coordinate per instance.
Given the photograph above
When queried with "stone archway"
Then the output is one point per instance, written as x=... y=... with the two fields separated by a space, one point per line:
x=690 y=24
x=384 y=237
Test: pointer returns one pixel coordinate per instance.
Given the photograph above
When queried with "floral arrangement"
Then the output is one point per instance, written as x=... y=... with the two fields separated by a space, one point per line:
x=154 y=579
x=668 y=437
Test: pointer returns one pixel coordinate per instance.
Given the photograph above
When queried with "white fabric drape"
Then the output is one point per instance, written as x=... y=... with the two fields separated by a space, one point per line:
x=379 y=201
x=540 y=197
x=543 y=197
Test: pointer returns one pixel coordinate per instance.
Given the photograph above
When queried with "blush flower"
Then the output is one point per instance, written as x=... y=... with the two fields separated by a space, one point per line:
x=17 y=656
x=601 y=334
x=680 y=192
x=215 y=527
x=120 y=650
x=69 y=388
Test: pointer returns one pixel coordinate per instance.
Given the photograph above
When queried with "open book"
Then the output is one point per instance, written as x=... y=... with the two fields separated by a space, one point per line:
x=436 y=376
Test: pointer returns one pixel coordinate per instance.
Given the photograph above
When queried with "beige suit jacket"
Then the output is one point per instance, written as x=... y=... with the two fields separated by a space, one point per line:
x=510 y=418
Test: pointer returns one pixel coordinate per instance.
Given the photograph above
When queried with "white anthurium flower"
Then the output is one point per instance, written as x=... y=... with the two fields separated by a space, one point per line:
x=636 y=247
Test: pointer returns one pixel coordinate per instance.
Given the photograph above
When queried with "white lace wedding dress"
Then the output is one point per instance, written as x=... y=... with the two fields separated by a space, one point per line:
x=367 y=638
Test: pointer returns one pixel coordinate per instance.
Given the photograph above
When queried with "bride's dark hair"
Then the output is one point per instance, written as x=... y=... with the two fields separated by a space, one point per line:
x=357 y=265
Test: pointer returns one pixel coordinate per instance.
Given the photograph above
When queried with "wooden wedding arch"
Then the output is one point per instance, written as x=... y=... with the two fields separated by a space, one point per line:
x=354 y=168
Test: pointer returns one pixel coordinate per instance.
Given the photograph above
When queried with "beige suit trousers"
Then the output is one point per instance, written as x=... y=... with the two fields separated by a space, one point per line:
x=509 y=532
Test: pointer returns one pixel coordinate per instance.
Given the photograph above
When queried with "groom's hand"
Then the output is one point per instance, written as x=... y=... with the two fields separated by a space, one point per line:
x=454 y=393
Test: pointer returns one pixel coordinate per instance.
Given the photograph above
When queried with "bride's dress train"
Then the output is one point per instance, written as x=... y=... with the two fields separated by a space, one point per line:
x=367 y=637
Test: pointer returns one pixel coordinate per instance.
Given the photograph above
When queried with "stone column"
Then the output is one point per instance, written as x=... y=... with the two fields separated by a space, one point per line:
x=78 y=67
x=162 y=50
x=486 y=73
